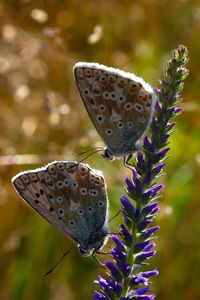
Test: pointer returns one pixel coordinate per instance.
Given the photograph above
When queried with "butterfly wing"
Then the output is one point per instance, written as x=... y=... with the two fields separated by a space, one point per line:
x=60 y=192
x=118 y=103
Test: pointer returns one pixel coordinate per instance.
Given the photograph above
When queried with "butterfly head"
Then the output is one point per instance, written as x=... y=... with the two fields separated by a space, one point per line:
x=95 y=242
x=107 y=155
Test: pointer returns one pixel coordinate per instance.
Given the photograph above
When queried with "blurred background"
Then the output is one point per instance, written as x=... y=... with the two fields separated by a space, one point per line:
x=42 y=119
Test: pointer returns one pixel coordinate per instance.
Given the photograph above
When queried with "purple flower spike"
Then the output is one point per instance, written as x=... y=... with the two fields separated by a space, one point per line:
x=150 y=273
x=127 y=205
x=118 y=242
x=148 y=209
x=133 y=247
x=130 y=185
x=99 y=296
x=128 y=238
x=145 y=255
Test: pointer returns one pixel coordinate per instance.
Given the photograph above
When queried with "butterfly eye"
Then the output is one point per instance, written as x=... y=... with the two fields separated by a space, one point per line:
x=80 y=212
x=83 y=191
x=61 y=212
x=100 y=118
x=100 y=204
x=90 y=209
x=128 y=106
x=109 y=131
x=60 y=199
x=71 y=223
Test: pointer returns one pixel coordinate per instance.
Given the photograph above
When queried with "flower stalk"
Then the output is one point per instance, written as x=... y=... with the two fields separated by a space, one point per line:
x=134 y=246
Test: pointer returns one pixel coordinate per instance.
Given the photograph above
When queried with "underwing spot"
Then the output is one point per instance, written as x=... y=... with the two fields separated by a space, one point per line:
x=111 y=78
x=66 y=183
x=128 y=106
x=122 y=82
x=41 y=175
x=60 y=166
x=37 y=195
x=51 y=209
x=130 y=124
x=59 y=184
x=52 y=169
x=113 y=96
x=102 y=79
x=120 y=124
x=60 y=199
x=33 y=177
x=102 y=107
x=25 y=179
x=92 y=102
x=80 y=212
x=75 y=184
x=18 y=183
x=93 y=192
x=90 y=209
x=142 y=120
x=71 y=223
x=97 y=73
x=121 y=98
x=100 y=203
x=36 y=201
x=109 y=131
x=100 y=118
x=106 y=95
x=83 y=171
x=138 y=107
x=88 y=73
x=97 y=180
x=72 y=169
x=133 y=87
x=86 y=92
x=41 y=192
x=83 y=191
x=61 y=211
x=79 y=73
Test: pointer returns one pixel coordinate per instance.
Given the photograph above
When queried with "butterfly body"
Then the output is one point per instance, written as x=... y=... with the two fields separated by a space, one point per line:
x=119 y=104
x=72 y=197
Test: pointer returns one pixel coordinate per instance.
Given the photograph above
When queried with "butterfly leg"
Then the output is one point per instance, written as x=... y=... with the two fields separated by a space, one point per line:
x=126 y=161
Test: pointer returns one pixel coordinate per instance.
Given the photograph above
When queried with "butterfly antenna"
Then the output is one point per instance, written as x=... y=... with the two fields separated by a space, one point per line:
x=91 y=149
x=98 y=261
x=114 y=216
x=63 y=256
x=89 y=155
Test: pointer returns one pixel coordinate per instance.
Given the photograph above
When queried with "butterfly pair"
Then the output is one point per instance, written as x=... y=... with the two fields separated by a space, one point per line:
x=72 y=196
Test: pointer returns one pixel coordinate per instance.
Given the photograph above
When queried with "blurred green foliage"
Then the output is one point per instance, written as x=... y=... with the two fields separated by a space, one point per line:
x=43 y=119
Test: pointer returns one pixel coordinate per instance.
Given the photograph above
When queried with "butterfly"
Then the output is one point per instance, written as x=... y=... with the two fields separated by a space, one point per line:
x=72 y=197
x=119 y=104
